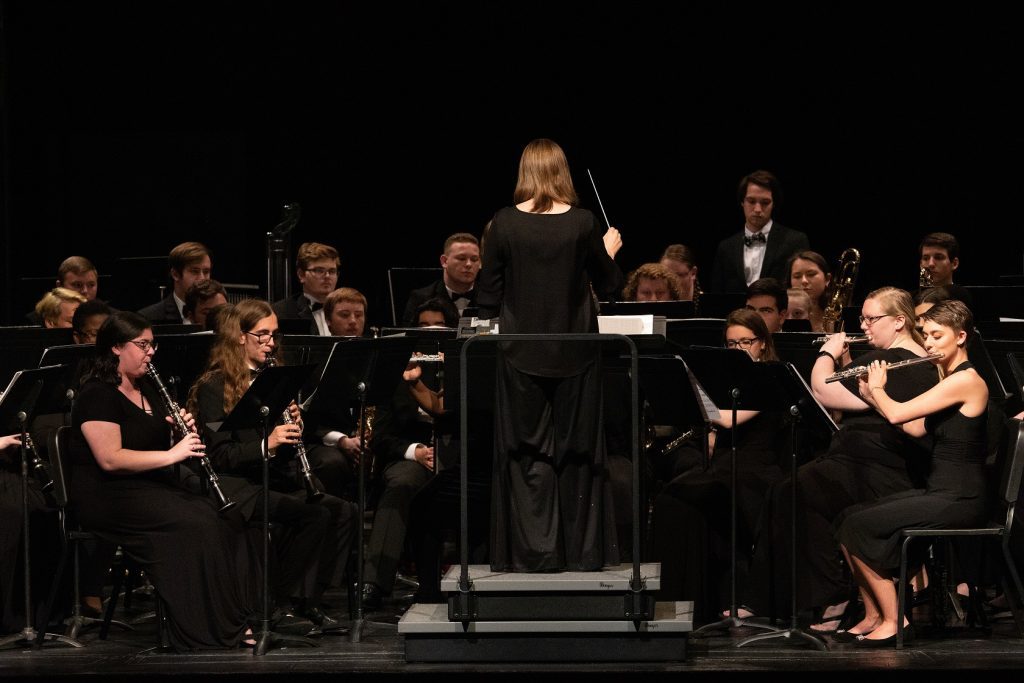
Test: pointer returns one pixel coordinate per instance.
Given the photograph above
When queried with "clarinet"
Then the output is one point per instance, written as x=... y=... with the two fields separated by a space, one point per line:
x=40 y=470
x=312 y=493
x=183 y=429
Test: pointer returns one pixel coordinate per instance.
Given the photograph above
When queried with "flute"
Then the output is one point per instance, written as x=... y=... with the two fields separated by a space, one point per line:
x=183 y=429
x=850 y=339
x=859 y=370
x=313 y=494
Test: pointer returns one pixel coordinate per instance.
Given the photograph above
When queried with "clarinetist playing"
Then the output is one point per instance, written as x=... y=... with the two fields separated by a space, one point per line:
x=127 y=491
x=320 y=533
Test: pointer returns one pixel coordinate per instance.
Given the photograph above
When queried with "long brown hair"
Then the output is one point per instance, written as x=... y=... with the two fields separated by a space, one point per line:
x=752 y=320
x=544 y=176
x=227 y=356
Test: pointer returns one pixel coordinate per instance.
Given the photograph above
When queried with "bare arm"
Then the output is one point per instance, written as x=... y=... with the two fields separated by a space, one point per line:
x=834 y=395
x=104 y=439
x=725 y=418
x=964 y=389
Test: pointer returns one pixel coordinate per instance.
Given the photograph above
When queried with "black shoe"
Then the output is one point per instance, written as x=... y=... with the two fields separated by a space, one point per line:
x=322 y=622
x=908 y=636
x=373 y=598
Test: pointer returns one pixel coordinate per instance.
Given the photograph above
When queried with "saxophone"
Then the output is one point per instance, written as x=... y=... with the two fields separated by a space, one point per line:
x=840 y=290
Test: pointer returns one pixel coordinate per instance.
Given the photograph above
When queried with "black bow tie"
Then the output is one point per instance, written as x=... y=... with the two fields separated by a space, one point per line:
x=751 y=240
x=315 y=306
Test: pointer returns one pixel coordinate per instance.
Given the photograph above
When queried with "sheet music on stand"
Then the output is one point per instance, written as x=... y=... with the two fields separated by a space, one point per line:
x=818 y=411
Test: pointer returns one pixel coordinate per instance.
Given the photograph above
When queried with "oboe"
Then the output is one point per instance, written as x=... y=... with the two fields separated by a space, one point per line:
x=859 y=370
x=312 y=493
x=183 y=429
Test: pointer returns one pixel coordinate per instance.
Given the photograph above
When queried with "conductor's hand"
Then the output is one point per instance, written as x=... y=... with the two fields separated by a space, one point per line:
x=190 y=421
x=612 y=241
x=284 y=434
x=425 y=456
x=188 y=447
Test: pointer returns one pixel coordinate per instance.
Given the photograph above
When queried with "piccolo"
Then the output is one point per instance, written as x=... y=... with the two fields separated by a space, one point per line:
x=859 y=370
x=174 y=410
x=850 y=339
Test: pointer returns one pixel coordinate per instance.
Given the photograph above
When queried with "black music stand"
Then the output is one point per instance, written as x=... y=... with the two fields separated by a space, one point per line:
x=183 y=359
x=802 y=406
x=730 y=377
x=30 y=392
x=670 y=394
x=369 y=371
x=269 y=395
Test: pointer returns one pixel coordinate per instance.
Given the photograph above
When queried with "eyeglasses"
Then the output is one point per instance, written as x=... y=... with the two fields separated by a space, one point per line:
x=740 y=343
x=321 y=272
x=870 y=320
x=265 y=337
x=145 y=345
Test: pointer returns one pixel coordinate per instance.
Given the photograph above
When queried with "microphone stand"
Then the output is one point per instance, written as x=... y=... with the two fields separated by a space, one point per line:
x=28 y=636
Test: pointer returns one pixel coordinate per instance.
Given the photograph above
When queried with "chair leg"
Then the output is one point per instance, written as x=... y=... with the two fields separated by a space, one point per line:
x=108 y=615
x=1015 y=601
x=52 y=596
x=901 y=603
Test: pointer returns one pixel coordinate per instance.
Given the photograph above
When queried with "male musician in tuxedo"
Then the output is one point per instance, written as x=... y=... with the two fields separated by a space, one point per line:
x=939 y=254
x=316 y=266
x=769 y=299
x=201 y=298
x=762 y=248
x=188 y=263
x=78 y=273
x=461 y=264
x=330 y=432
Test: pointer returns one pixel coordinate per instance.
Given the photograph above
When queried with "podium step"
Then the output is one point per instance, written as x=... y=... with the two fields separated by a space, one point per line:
x=573 y=596
x=431 y=637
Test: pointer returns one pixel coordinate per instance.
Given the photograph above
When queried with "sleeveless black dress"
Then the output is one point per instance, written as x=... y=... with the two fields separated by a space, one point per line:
x=955 y=495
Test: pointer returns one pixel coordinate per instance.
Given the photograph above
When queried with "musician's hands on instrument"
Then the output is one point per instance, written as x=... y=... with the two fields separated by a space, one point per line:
x=835 y=345
x=425 y=456
x=293 y=410
x=413 y=372
x=284 y=434
x=612 y=241
x=10 y=441
x=189 y=419
x=189 y=447
x=874 y=380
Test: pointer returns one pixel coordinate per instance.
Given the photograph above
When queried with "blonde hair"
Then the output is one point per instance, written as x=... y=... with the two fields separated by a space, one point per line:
x=896 y=302
x=48 y=308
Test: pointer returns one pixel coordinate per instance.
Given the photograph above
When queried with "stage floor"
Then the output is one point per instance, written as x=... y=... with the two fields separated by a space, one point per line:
x=956 y=649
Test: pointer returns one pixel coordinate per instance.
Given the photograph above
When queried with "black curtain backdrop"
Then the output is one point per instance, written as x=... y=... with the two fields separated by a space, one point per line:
x=132 y=126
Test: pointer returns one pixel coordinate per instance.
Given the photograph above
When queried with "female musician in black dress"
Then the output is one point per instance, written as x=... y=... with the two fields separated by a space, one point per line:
x=319 y=534
x=692 y=517
x=954 y=413
x=552 y=500
x=866 y=459
x=126 y=490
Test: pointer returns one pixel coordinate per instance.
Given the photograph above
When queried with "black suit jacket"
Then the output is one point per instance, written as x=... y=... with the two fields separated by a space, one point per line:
x=727 y=272
x=296 y=308
x=163 y=312
x=418 y=297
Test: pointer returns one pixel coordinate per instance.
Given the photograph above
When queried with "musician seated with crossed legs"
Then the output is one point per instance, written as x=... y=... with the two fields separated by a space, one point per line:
x=319 y=534
x=692 y=517
x=954 y=412
x=127 y=491
x=866 y=459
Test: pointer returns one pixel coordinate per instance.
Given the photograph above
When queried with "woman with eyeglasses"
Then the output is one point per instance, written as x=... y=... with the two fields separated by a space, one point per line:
x=127 y=491
x=866 y=459
x=954 y=412
x=692 y=514
x=320 y=533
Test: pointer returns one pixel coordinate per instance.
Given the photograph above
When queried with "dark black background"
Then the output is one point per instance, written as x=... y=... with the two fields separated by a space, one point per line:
x=133 y=126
